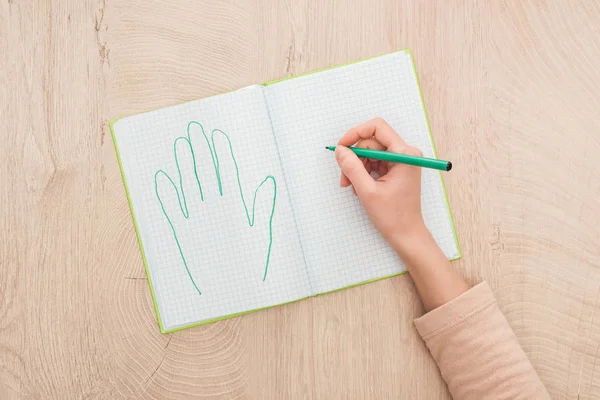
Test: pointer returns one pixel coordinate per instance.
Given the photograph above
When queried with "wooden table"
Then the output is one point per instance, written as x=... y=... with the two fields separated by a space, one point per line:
x=513 y=94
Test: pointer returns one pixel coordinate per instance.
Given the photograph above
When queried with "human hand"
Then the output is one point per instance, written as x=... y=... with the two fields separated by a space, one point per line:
x=393 y=200
x=393 y=203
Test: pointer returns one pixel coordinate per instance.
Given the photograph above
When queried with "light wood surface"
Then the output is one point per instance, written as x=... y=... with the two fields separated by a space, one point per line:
x=513 y=94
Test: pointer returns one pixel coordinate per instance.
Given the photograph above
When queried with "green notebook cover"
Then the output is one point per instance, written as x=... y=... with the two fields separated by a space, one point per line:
x=208 y=321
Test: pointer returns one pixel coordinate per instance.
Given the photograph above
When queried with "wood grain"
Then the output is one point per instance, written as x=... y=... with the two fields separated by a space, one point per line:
x=513 y=94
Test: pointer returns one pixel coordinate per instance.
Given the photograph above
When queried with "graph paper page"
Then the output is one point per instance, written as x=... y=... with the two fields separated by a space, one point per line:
x=310 y=112
x=227 y=255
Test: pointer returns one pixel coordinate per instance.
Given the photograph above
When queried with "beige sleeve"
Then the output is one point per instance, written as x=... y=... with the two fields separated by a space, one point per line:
x=476 y=350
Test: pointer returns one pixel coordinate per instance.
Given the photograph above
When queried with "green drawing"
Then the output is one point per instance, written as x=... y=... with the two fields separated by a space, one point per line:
x=215 y=162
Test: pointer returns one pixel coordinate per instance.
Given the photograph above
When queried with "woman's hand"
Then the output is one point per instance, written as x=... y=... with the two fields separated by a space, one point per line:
x=393 y=200
x=393 y=203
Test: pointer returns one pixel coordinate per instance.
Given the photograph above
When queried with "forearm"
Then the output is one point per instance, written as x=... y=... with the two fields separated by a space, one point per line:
x=467 y=335
x=477 y=351
x=436 y=280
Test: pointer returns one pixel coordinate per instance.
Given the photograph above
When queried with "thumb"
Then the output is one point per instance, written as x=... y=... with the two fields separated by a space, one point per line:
x=354 y=169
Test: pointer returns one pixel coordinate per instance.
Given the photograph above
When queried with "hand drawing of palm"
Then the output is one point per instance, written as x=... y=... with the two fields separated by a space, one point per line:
x=182 y=198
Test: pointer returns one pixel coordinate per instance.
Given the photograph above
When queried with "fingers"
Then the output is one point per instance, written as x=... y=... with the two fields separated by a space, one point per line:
x=376 y=129
x=369 y=164
x=395 y=170
x=344 y=181
x=353 y=168
x=382 y=169
x=413 y=151
x=370 y=143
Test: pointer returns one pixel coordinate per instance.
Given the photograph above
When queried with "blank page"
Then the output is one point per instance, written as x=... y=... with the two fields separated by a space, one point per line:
x=310 y=112
x=228 y=256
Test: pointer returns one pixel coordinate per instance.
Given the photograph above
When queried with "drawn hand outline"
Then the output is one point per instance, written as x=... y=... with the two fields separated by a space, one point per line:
x=182 y=199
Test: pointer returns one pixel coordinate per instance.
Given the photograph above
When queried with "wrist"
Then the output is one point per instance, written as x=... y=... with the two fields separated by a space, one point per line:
x=410 y=239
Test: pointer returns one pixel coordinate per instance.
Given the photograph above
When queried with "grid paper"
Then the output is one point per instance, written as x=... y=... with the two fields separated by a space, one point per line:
x=340 y=245
x=225 y=256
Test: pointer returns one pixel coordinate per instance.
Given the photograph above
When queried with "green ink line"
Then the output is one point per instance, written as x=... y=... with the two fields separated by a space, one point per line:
x=185 y=214
x=181 y=199
x=189 y=142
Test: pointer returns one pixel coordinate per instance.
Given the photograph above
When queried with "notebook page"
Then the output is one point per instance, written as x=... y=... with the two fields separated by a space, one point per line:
x=228 y=256
x=310 y=112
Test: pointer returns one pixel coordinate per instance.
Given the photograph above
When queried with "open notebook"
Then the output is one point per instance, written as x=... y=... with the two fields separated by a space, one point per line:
x=237 y=204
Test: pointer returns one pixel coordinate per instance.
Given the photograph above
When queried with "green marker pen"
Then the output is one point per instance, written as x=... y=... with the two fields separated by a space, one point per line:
x=424 y=162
